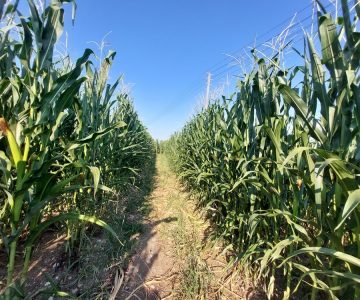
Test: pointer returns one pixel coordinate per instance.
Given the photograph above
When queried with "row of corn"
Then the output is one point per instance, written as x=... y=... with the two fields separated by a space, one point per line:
x=68 y=139
x=277 y=166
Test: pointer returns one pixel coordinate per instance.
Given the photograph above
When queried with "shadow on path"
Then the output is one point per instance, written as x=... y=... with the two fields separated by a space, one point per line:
x=149 y=255
x=149 y=263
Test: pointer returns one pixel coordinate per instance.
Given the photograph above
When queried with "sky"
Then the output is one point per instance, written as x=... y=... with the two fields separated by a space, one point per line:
x=166 y=47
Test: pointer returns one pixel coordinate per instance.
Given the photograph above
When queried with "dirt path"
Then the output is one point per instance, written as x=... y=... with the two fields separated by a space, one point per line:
x=173 y=259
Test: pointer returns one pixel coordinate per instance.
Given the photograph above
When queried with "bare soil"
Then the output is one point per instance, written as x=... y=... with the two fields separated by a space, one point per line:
x=174 y=258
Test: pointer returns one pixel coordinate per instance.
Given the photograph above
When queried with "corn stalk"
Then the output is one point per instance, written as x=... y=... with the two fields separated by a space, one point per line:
x=277 y=167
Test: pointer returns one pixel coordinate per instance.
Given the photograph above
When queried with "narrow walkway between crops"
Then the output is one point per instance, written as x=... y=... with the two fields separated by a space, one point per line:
x=174 y=259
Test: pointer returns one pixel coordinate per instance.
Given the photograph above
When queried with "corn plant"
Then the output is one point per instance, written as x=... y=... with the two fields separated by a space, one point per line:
x=277 y=167
x=56 y=124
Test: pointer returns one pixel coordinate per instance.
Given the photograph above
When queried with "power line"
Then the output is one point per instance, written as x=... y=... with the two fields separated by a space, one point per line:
x=261 y=44
x=262 y=47
x=224 y=64
x=281 y=24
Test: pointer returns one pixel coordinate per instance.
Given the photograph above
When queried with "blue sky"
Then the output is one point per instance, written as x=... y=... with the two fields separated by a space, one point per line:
x=165 y=47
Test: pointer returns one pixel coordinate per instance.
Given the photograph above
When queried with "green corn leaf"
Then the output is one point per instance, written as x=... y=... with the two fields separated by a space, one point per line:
x=326 y=251
x=94 y=136
x=26 y=49
x=50 y=34
x=64 y=217
x=351 y=203
x=36 y=23
x=62 y=84
x=330 y=46
x=292 y=98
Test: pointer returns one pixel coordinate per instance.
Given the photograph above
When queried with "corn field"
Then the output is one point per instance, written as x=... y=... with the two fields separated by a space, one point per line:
x=69 y=138
x=277 y=165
